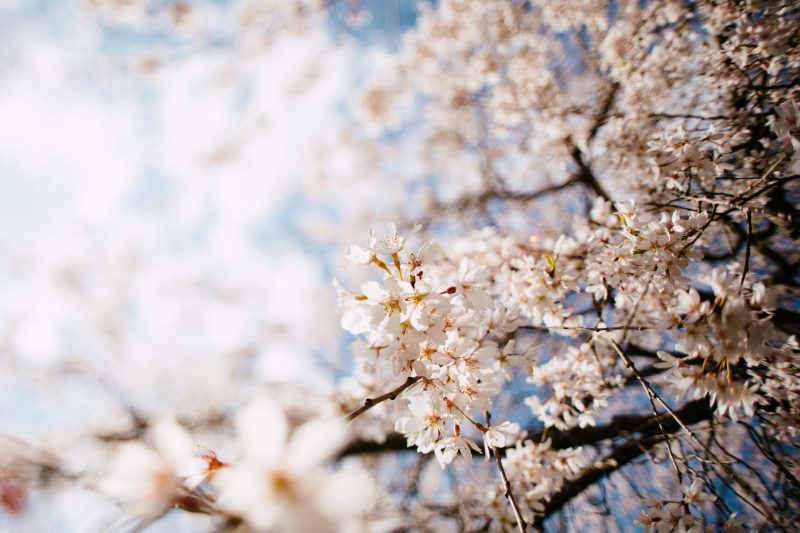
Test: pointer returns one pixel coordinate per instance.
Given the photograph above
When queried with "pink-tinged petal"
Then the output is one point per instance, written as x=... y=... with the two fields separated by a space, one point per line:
x=479 y=275
x=315 y=443
x=241 y=487
x=478 y=297
x=261 y=430
x=429 y=252
x=355 y=320
x=175 y=446
x=139 y=478
x=348 y=494
x=440 y=458
x=358 y=255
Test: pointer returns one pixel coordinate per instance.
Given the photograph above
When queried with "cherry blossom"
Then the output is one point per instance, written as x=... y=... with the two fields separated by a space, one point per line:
x=277 y=480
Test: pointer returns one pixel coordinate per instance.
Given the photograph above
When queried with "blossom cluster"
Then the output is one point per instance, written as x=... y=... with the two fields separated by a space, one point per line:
x=579 y=389
x=676 y=515
x=429 y=322
x=539 y=472
x=431 y=330
x=720 y=338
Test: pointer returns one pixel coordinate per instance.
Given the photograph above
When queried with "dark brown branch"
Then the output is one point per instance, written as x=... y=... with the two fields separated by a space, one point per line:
x=583 y=175
x=494 y=193
x=747 y=248
x=619 y=426
x=369 y=403
x=605 y=111
x=690 y=414
x=586 y=176
x=689 y=116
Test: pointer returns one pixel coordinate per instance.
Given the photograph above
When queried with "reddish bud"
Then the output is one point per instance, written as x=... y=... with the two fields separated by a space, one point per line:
x=12 y=495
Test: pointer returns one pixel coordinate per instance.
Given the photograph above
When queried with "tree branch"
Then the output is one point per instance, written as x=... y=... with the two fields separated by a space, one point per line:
x=521 y=524
x=369 y=403
x=651 y=435
x=619 y=426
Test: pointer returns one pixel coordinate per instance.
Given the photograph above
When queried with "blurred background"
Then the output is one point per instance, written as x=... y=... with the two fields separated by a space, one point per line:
x=174 y=197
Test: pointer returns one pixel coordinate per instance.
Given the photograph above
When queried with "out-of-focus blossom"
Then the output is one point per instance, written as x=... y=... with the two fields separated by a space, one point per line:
x=147 y=480
x=279 y=480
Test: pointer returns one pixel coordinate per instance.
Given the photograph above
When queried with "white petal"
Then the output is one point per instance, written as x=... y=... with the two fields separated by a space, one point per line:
x=261 y=431
x=348 y=494
x=357 y=255
x=374 y=291
x=314 y=443
x=175 y=446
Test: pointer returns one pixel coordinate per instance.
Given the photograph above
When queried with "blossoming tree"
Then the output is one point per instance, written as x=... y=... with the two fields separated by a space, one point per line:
x=582 y=315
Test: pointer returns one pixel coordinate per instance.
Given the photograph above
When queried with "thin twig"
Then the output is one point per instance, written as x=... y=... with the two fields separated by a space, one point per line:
x=747 y=248
x=521 y=524
x=584 y=328
x=694 y=437
x=391 y=395
x=629 y=362
x=657 y=396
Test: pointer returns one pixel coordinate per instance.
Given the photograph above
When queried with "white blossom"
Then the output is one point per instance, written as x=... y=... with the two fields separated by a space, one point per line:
x=278 y=480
